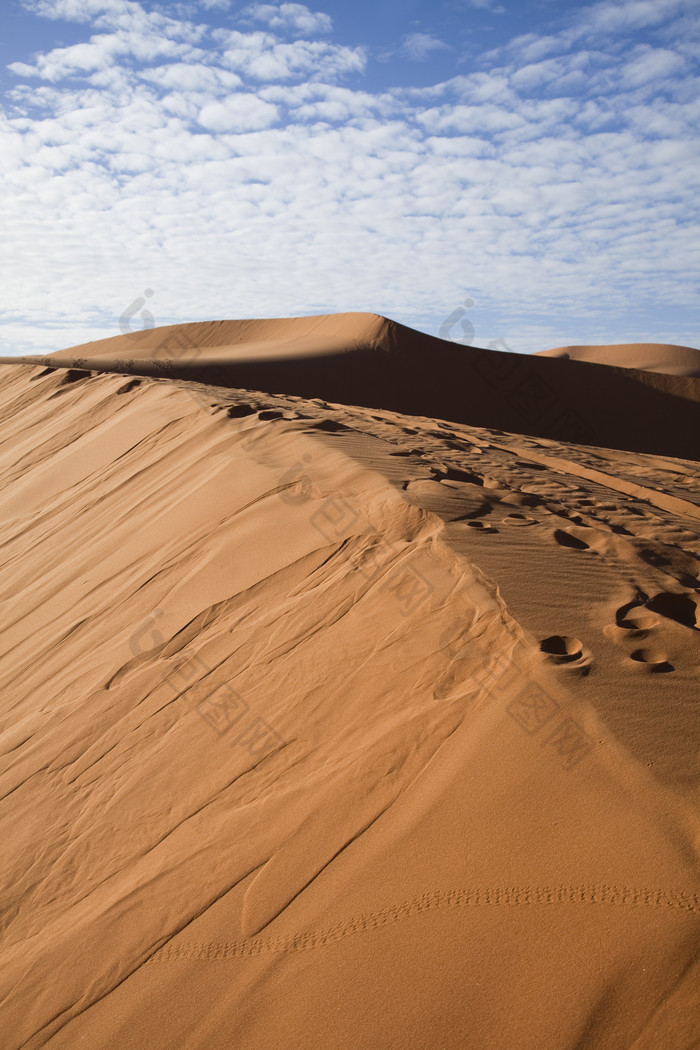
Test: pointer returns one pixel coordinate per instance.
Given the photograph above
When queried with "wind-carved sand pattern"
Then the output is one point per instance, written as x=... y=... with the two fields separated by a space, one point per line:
x=217 y=633
x=305 y=702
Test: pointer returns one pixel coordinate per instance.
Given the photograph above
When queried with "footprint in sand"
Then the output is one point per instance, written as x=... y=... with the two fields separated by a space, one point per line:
x=645 y=616
x=635 y=619
x=74 y=375
x=330 y=426
x=565 y=650
x=654 y=661
x=126 y=388
x=523 y=499
x=447 y=474
x=238 y=411
x=518 y=519
x=568 y=539
x=679 y=607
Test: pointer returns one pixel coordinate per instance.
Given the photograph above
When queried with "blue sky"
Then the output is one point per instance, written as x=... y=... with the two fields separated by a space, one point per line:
x=536 y=164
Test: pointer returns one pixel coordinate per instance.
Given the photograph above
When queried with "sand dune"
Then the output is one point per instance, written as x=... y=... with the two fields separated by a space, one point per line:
x=649 y=357
x=329 y=724
x=368 y=360
x=230 y=341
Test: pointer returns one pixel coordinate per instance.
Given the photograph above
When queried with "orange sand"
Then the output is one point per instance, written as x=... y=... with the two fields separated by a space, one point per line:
x=358 y=721
x=650 y=357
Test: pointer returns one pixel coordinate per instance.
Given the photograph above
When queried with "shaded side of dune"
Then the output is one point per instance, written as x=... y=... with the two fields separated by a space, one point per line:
x=367 y=360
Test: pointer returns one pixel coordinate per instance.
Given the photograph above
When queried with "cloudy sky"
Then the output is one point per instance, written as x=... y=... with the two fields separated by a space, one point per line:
x=534 y=163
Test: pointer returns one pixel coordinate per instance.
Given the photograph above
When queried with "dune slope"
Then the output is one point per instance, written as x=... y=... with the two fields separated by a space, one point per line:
x=323 y=725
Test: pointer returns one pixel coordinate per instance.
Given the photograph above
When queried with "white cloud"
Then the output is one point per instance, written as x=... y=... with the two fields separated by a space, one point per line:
x=128 y=19
x=484 y=5
x=190 y=77
x=99 y=54
x=80 y=58
x=130 y=33
x=78 y=10
x=532 y=47
x=240 y=112
x=612 y=16
x=652 y=64
x=294 y=17
x=551 y=77
x=419 y=46
x=458 y=118
x=263 y=57
x=238 y=174
x=328 y=102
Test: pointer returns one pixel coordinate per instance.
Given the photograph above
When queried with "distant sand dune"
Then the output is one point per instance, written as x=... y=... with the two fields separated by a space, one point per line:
x=649 y=357
x=365 y=359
